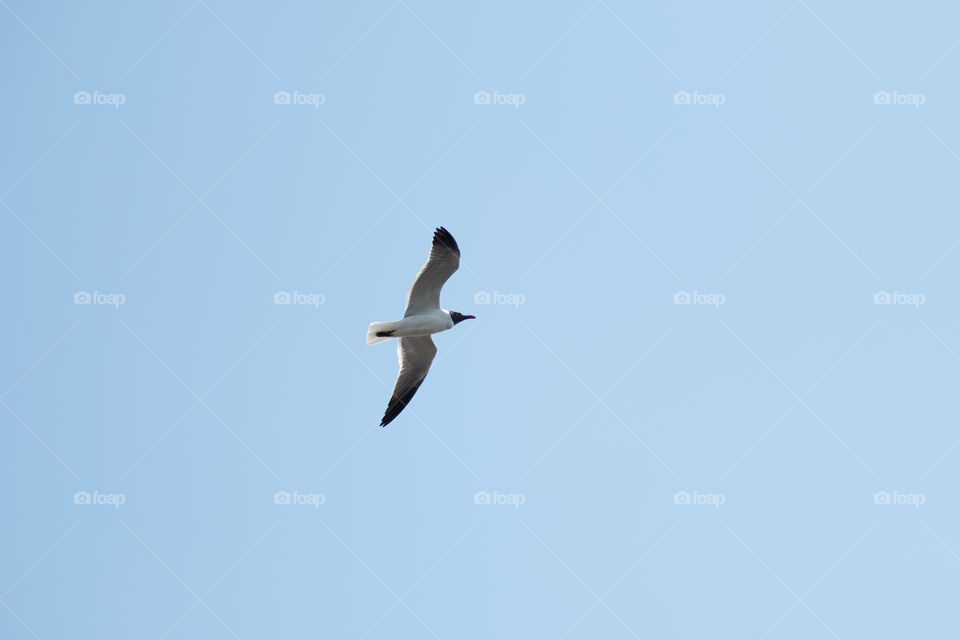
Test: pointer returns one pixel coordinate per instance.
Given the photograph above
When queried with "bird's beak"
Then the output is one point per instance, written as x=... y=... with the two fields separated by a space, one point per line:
x=469 y=317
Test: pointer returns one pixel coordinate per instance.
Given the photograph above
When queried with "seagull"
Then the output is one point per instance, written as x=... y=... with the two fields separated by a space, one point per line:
x=423 y=317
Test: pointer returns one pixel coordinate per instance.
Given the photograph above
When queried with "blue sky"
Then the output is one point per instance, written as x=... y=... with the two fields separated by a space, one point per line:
x=709 y=393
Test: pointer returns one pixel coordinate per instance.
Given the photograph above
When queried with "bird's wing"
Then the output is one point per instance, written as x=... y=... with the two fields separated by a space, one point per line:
x=416 y=355
x=444 y=260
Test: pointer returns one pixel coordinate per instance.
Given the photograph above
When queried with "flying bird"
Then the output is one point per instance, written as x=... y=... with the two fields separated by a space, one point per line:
x=423 y=317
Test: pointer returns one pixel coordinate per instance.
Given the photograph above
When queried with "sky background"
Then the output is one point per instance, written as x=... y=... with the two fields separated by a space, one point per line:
x=183 y=457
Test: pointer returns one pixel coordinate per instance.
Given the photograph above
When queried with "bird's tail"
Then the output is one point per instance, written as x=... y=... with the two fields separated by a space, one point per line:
x=380 y=331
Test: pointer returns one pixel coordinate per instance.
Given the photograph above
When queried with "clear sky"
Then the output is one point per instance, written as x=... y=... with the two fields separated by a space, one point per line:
x=711 y=389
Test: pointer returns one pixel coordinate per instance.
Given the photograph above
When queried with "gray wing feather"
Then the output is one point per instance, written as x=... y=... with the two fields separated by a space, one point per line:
x=416 y=355
x=443 y=262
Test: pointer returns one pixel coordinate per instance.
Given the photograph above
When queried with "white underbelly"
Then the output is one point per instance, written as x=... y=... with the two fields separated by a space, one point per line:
x=424 y=325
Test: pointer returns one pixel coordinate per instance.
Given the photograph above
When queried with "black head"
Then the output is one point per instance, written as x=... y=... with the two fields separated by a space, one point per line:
x=458 y=317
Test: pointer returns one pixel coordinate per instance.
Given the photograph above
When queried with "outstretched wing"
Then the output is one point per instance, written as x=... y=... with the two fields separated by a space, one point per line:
x=416 y=355
x=444 y=260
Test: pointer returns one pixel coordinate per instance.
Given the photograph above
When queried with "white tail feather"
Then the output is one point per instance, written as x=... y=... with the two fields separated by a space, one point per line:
x=379 y=327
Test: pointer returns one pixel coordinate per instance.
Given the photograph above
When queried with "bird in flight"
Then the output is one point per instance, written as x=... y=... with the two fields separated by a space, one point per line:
x=423 y=317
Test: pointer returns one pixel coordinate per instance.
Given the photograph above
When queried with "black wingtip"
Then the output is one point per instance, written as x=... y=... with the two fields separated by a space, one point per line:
x=442 y=237
x=392 y=412
x=399 y=403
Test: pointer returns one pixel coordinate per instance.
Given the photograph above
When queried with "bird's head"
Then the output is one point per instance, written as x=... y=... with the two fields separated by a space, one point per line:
x=458 y=317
